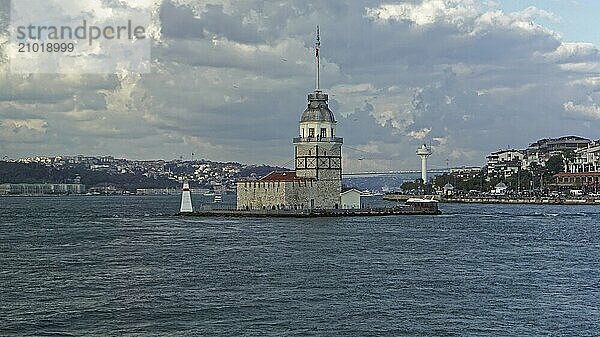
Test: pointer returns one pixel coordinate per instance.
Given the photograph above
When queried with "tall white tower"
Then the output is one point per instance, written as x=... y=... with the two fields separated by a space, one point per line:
x=424 y=152
x=186 y=199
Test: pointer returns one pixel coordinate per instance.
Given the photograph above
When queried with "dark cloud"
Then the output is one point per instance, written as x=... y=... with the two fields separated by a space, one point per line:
x=229 y=81
x=180 y=22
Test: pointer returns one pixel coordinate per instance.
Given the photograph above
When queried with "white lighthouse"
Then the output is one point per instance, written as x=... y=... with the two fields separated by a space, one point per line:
x=186 y=199
x=424 y=152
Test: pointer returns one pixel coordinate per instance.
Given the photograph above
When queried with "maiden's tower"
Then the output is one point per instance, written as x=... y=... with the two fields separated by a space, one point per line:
x=316 y=182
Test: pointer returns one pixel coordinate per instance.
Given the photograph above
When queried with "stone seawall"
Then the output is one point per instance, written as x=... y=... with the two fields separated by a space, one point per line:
x=406 y=210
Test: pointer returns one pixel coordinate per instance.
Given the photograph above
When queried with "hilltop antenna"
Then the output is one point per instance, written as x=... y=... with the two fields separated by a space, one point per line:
x=317 y=47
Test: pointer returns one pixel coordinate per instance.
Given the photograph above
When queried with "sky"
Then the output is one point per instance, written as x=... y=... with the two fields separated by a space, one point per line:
x=229 y=81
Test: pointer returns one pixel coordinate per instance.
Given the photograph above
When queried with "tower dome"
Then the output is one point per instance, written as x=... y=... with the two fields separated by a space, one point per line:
x=317 y=110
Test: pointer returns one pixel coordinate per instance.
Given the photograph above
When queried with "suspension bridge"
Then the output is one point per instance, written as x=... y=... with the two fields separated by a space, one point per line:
x=393 y=173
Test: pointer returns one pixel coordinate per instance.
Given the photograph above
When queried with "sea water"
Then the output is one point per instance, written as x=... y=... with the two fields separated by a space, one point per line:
x=105 y=266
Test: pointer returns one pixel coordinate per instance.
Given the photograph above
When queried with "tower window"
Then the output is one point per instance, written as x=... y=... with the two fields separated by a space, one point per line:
x=323 y=132
x=311 y=132
x=332 y=134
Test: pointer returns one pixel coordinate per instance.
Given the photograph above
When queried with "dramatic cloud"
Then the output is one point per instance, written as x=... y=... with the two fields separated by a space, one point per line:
x=229 y=81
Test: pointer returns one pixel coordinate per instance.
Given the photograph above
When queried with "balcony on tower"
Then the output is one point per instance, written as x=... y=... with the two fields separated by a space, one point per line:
x=318 y=122
x=338 y=140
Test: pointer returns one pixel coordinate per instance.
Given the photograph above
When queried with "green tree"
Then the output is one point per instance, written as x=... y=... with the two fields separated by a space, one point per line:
x=415 y=185
x=554 y=165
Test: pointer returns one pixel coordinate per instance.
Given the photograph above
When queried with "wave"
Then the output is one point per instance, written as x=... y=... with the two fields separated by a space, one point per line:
x=512 y=215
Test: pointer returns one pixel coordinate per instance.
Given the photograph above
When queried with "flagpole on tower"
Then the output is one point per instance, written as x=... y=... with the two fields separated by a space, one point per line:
x=317 y=47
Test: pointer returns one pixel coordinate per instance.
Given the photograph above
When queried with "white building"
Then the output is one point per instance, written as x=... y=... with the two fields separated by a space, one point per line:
x=586 y=159
x=500 y=189
x=38 y=189
x=465 y=173
x=448 y=189
x=350 y=198
x=504 y=163
x=540 y=151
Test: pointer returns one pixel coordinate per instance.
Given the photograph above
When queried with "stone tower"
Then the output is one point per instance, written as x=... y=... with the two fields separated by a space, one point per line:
x=318 y=152
x=317 y=181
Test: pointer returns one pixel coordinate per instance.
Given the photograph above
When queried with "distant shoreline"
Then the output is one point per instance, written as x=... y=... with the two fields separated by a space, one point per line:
x=532 y=201
x=392 y=198
x=508 y=201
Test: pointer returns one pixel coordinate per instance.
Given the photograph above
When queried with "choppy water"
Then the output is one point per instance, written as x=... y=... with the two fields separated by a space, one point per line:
x=99 y=266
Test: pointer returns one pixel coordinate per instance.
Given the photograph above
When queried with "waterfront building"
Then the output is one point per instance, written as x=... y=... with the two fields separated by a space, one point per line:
x=552 y=146
x=316 y=182
x=500 y=189
x=585 y=159
x=448 y=189
x=587 y=181
x=465 y=173
x=504 y=163
x=540 y=151
x=350 y=198
x=157 y=191
x=40 y=189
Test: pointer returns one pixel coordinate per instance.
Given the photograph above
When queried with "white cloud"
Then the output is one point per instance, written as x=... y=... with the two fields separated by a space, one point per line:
x=467 y=16
x=420 y=134
x=38 y=125
x=28 y=131
x=570 y=52
x=360 y=88
x=427 y=12
x=590 y=111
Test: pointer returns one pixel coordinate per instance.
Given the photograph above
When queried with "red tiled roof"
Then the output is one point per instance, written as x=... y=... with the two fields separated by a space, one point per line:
x=580 y=174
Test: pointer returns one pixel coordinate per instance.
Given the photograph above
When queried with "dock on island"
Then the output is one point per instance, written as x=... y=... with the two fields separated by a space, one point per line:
x=412 y=207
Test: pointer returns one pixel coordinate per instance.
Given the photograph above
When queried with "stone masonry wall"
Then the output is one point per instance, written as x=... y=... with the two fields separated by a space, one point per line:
x=289 y=195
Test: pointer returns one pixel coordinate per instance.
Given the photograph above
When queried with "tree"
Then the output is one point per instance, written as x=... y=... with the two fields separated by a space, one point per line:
x=416 y=185
x=555 y=165
x=568 y=157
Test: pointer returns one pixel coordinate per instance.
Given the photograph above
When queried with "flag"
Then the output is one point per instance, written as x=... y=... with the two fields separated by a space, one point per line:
x=318 y=44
